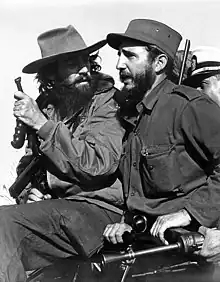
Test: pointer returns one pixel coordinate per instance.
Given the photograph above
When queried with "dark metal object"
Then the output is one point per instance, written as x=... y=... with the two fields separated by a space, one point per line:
x=187 y=243
x=20 y=129
x=25 y=177
x=34 y=172
x=183 y=65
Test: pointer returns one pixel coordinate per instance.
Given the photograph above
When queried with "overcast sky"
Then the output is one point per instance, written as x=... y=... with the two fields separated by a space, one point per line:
x=21 y=21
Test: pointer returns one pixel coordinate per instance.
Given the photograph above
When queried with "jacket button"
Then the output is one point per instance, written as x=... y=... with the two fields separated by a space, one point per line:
x=134 y=164
x=132 y=194
x=150 y=167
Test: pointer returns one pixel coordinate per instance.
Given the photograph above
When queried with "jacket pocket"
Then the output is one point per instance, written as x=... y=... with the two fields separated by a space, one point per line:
x=159 y=169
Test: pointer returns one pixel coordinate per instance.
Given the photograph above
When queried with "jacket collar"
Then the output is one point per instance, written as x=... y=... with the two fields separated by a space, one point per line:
x=152 y=97
x=102 y=83
x=148 y=102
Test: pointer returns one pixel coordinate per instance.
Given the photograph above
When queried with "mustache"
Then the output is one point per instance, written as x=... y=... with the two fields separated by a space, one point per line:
x=78 y=79
x=123 y=75
x=83 y=78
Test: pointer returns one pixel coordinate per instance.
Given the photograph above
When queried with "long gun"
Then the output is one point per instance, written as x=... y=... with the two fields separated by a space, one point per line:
x=185 y=56
x=182 y=240
x=34 y=168
x=25 y=177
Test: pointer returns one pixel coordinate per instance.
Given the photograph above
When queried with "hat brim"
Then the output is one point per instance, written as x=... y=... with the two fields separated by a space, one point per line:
x=194 y=80
x=116 y=39
x=35 y=66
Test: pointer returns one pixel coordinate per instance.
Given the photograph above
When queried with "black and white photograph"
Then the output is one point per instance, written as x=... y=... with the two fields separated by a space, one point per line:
x=110 y=141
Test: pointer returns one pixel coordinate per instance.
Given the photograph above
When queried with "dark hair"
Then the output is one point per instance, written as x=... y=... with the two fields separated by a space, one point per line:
x=154 y=52
x=46 y=77
x=95 y=67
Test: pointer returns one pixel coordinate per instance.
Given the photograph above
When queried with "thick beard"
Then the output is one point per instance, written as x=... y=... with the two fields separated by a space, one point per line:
x=67 y=100
x=142 y=83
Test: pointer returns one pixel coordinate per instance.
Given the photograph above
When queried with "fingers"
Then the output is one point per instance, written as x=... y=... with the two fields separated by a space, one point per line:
x=162 y=223
x=35 y=195
x=113 y=232
x=158 y=229
x=20 y=104
x=211 y=244
x=27 y=110
x=34 y=198
x=203 y=230
x=20 y=95
x=22 y=99
x=47 y=197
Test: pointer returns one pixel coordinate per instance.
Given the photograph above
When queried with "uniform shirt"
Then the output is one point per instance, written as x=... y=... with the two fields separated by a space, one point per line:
x=171 y=157
x=82 y=154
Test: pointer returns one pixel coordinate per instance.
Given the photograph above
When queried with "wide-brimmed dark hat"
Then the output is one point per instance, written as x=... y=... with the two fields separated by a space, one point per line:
x=205 y=62
x=149 y=32
x=57 y=42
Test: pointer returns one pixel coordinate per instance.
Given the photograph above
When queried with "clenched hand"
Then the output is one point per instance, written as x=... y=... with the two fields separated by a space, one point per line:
x=211 y=245
x=26 y=110
x=35 y=196
x=113 y=232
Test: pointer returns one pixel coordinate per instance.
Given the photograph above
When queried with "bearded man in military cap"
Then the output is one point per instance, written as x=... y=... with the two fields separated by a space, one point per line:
x=170 y=170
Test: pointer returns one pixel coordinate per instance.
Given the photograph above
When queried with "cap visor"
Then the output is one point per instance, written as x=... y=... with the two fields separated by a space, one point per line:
x=116 y=39
x=195 y=80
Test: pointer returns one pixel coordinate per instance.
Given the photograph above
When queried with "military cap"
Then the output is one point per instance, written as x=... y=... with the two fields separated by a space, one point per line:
x=149 y=32
x=205 y=62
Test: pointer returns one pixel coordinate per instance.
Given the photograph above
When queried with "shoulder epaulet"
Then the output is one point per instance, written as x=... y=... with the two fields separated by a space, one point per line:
x=188 y=92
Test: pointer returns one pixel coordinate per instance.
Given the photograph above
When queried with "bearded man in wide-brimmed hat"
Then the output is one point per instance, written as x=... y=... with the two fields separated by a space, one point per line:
x=81 y=143
x=171 y=170
x=72 y=90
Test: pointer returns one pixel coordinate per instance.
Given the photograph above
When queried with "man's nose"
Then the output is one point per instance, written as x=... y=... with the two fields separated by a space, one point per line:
x=84 y=70
x=120 y=64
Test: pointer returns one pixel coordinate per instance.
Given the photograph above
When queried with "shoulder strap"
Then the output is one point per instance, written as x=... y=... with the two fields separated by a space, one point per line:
x=187 y=92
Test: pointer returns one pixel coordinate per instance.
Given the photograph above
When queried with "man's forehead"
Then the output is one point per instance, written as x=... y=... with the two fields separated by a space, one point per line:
x=132 y=46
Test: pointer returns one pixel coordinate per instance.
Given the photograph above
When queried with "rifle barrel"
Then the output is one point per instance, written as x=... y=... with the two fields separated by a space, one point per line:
x=183 y=65
x=114 y=257
x=24 y=178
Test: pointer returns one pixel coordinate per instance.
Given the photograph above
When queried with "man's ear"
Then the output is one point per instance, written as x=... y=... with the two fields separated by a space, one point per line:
x=160 y=63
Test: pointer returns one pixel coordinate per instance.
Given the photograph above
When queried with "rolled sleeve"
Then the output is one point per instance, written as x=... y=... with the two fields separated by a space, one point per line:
x=46 y=129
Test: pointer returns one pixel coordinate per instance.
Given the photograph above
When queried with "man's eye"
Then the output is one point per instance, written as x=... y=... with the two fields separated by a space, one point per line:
x=129 y=55
x=204 y=85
